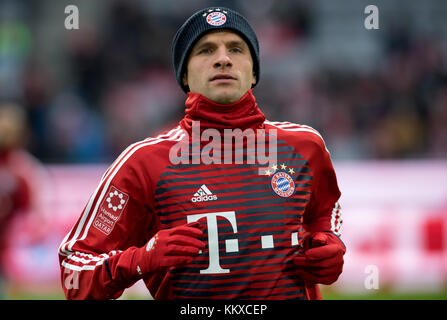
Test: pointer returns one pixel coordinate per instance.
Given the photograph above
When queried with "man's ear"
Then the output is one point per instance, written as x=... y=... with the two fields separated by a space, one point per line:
x=253 y=82
x=185 y=80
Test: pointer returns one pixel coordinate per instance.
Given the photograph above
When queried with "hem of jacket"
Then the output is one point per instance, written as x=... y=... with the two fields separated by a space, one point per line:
x=312 y=291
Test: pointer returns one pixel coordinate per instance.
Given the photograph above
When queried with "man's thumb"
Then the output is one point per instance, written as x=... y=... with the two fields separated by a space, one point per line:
x=317 y=240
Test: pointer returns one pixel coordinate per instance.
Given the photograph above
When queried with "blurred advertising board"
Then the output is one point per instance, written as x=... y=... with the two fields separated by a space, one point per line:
x=394 y=225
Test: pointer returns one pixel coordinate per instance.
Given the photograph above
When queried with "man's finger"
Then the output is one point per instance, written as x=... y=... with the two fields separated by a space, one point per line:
x=323 y=252
x=176 y=261
x=315 y=278
x=330 y=262
x=176 y=250
x=307 y=276
x=191 y=230
x=186 y=241
x=318 y=240
x=300 y=262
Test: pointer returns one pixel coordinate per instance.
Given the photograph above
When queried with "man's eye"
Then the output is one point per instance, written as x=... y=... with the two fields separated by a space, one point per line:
x=206 y=51
x=237 y=50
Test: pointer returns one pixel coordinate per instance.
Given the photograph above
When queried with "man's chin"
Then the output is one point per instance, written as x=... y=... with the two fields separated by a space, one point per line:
x=225 y=96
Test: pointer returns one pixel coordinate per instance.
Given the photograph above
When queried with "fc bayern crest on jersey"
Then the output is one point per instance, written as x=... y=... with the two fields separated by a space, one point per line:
x=216 y=18
x=282 y=184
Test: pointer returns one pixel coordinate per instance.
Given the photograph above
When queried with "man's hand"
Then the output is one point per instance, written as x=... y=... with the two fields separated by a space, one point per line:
x=168 y=248
x=323 y=258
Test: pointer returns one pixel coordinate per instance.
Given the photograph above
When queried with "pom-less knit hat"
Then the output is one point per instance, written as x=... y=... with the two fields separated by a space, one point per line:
x=204 y=21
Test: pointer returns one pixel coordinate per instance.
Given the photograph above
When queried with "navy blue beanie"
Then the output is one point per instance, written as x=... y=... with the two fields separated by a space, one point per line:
x=204 y=21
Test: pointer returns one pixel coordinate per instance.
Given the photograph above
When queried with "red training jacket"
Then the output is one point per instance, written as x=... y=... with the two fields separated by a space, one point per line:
x=255 y=212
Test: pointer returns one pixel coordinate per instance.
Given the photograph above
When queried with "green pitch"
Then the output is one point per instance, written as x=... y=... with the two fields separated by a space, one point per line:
x=14 y=292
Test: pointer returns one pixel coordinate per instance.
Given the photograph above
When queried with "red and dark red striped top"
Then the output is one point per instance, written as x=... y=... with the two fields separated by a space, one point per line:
x=255 y=197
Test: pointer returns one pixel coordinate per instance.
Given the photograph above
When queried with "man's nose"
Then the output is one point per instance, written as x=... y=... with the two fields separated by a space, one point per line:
x=222 y=59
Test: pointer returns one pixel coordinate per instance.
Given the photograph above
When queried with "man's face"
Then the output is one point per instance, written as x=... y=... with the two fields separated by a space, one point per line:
x=220 y=67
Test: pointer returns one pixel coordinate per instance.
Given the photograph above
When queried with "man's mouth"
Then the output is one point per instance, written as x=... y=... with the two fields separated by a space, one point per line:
x=223 y=77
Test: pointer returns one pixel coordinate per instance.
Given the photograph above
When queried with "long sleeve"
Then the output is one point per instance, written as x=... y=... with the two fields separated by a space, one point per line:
x=323 y=213
x=96 y=255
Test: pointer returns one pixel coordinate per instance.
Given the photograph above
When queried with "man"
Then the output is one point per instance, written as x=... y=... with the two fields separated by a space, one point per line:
x=212 y=229
x=21 y=179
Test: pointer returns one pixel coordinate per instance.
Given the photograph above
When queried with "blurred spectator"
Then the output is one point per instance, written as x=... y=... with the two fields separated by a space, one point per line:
x=20 y=176
x=117 y=84
x=76 y=132
x=36 y=95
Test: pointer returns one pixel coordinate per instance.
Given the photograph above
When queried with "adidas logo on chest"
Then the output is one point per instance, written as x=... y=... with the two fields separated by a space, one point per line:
x=203 y=194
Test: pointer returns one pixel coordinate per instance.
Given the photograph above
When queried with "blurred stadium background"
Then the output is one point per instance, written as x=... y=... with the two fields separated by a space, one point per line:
x=72 y=100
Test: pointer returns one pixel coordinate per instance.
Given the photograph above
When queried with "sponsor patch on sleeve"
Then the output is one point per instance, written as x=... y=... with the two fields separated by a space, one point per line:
x=110 y=210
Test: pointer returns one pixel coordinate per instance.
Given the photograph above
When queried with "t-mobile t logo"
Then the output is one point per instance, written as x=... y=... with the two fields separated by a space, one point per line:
x=213 y=238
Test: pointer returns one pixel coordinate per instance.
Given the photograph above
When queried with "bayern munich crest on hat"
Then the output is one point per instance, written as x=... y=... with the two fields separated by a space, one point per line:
x=202 y=22
x=216 y=18
x=283 y=184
